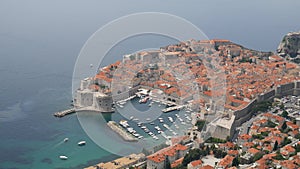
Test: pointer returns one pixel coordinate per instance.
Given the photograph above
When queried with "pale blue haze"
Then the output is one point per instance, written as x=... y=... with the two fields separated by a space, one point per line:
x=39 y=43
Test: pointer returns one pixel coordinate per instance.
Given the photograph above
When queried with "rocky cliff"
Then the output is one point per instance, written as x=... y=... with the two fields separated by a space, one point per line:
x=289 y=47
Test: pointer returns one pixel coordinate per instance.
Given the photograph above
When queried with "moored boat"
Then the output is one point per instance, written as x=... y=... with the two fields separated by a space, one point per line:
x=81 y=143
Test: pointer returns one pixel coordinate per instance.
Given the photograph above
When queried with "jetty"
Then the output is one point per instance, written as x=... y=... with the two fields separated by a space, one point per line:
x=121 y=131
x=65 y=112
x=166 y=110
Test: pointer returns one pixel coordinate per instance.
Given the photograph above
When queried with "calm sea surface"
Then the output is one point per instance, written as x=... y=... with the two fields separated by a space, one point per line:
x=39 y=43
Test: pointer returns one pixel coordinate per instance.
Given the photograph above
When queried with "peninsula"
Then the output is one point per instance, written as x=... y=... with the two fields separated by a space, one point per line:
x=211 y=77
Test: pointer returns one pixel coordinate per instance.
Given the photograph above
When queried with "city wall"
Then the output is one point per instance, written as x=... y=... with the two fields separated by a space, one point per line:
x=125 y=95
x=245 y=114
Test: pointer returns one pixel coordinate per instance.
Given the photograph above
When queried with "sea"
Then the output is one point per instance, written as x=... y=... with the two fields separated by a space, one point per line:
x=39 y=45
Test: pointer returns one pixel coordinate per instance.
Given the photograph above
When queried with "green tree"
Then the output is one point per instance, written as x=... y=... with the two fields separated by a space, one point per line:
x=275 y=146
x=192 y=155
x=285 y=114
x=167 y=164
x=281 y=106
x=200 y=124
x=219 y=153
x=285 y=141
x=235 y=161
x=284 y=126
x=257 y=156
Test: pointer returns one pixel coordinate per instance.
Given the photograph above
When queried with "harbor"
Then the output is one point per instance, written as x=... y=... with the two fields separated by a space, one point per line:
x=159 y=129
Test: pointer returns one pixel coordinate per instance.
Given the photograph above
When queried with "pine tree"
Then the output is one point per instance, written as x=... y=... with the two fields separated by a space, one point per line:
x=167 y=163
x=275 y=146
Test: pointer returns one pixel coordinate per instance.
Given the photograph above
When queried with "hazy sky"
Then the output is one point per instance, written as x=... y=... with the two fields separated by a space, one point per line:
x=39 y=36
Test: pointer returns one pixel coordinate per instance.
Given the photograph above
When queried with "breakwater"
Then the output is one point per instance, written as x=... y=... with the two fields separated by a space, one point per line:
x=65 y=112
x=122 y=132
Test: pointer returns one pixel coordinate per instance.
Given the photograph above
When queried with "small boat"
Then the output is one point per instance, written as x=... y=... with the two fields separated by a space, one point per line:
x=131 y=117
x=139 y=124
x=136 y=134
x=66 y=139
x=155 y=137
x=148 y=119
x=157 y=128
x=161 y=120
x=166 y=126
x=124 y=123
x=81 y=143
x=152 y=123
x=63 y=157
x=144 y=100
x=151 y=134
x=171 y=119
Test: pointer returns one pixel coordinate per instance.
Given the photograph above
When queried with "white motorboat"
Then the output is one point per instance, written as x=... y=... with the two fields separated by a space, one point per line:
x=63 y=157
x=139 y=124
x=124 y=123
x=66 y=139
x=166 y=126
x=155 y=137
x=157 y=128
x=171 y=119
x=81 y=143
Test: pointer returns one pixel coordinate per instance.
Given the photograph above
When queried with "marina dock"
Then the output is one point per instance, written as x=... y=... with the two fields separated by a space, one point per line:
x=65 y=112
x=166 y=110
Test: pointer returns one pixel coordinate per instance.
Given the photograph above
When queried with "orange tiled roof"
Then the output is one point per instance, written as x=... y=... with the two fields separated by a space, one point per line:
x=206 y=167
x=169 y=151
x=253 y=151
x=227 y=160
x=177 y=162
x=196 y=163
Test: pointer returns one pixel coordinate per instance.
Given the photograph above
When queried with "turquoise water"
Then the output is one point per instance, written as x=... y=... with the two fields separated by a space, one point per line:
x=95 y=126
x=39 y=42
x=35 y=140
